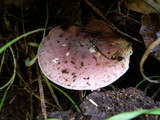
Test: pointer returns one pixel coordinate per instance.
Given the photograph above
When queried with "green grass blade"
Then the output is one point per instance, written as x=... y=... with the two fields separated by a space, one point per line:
x=6 y=84
x=64 y=93
x=4 y=97
x=33 y=44
x=131 y=115
x=52 y=92
x=155 y=111
x=14 y=71
x=29 y=62
x=52 y=119
x=72 y=101
x=145 y=80
x=2 y=61
x=12 y=78
x=140 y=83
x=18 y=38
x=126 y=115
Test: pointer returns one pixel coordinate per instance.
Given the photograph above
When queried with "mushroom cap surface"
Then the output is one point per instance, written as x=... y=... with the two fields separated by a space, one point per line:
x=77 y=59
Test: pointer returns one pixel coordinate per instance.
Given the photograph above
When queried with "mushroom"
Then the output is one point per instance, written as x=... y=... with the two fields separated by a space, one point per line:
x=81 y=59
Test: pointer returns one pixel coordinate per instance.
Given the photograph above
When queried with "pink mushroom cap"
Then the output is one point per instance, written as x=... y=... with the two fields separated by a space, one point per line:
x=77 y=59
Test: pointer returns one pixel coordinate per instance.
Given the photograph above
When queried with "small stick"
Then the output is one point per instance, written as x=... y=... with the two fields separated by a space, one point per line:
x=42 y=99
x=98 y=48
x=94 y=103
x=147 y=52
x=109 y=23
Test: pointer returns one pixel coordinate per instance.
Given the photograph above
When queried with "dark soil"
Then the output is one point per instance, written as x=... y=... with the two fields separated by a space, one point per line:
x=20 y=103
x=17 y=105
x=101 y=105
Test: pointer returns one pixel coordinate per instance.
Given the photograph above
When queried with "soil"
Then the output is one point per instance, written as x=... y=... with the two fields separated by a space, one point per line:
x=101 y=105
x=21 y=102
x=17 y=105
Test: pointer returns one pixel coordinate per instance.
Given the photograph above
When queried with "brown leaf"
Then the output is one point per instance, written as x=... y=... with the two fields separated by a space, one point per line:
x=150 y=32
x=144 y=6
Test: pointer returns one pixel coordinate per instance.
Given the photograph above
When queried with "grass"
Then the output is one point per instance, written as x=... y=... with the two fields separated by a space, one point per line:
x=145 y=80
x=2 y=49
x=28 y=63
x=9 y=83
x=131 y=115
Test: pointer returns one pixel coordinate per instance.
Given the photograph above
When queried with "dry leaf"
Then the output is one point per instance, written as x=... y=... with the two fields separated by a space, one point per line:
x=144 y=6
x=150 y=31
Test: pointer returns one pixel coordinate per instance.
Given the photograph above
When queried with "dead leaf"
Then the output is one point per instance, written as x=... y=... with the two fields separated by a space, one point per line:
x=144 y=6
x=150 y=31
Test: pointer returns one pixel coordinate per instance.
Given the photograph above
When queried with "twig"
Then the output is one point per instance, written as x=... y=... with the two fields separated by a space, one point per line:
x=43 y=106
x=98 y=48
x=42 y=99
x=108 y=22
x=23 y=28
x=147 y=52
x=30 y=93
